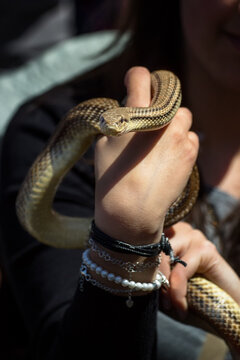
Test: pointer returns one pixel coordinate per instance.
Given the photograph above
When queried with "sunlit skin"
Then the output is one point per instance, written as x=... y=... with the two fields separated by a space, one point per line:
x=132 y=200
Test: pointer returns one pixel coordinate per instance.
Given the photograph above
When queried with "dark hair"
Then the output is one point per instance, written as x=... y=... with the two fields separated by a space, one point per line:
x=155 y=34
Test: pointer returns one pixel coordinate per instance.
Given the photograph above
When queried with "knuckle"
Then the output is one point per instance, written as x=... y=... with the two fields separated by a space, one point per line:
x=190 y=152
x=193 y=137
x=183 y=226
x=185 y=115
x=181 y=124
x=198 y=235
x=210 y=247
x=177 y=133
x=205 y=245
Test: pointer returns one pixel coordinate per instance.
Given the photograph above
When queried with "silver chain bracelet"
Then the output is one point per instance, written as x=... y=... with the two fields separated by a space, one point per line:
x=111 y=277
x=85 y=275
x=126 y=265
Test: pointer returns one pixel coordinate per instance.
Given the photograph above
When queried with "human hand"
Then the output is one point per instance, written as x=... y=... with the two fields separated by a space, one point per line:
x=202 y=258
x=138 y=176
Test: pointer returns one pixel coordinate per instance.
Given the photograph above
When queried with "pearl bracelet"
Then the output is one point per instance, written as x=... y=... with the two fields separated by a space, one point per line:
x=85 y=275
x=94 y=282
x=134 y=286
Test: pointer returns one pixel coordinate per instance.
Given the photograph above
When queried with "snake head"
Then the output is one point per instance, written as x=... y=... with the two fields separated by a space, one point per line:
x=114 y=122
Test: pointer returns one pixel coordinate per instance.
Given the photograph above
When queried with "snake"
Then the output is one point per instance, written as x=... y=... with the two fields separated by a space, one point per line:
x=73 y=136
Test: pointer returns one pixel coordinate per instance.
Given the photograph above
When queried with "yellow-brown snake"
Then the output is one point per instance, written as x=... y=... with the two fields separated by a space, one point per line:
x=72 y=138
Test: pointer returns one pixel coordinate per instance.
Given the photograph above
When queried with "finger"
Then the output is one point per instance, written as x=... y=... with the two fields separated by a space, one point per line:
x=178 y=289
x=203 y=258
x=175 y=296
x=182 y=121
x=193 y=137
x=179 y=237
x=193 y=248
x=222 y=274
x=138 y=83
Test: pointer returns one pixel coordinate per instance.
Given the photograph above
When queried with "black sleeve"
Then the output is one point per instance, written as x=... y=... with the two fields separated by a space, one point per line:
x=62 y=321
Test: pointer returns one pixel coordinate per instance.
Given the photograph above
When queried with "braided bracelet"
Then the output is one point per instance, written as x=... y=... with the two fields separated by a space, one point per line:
x=149 y=250
x=123 y=247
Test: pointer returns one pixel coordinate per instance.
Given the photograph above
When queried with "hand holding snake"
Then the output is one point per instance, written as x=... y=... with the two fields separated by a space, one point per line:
x=139 y=167
x=34 y=203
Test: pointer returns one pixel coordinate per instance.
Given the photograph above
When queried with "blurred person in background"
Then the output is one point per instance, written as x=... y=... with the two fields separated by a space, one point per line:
x=28 y=28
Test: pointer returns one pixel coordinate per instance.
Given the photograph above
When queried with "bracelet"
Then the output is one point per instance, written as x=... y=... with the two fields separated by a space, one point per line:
x=130 y=284
x=85 y=275
x=123 y=247
x=149 y=250
x=134 y=286
x=94 y=282
x=126 y=265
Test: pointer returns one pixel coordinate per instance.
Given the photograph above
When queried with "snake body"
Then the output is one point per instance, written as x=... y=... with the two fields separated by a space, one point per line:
x=72 y=138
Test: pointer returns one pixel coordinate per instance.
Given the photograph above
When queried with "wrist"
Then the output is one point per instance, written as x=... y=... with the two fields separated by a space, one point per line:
x=141 y=268
x=121 y=273
x=124 y=278
x=122 y=264
x=135 y=231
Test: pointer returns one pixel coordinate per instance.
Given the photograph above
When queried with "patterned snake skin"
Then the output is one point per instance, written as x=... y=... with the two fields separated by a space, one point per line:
x=72 y=138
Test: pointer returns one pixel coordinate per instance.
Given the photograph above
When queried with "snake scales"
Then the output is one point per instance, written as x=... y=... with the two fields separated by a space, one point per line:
x=72 y=138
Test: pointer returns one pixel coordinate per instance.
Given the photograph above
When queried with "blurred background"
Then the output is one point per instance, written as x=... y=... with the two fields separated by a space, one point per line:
x=29 y=27
x=44 y=43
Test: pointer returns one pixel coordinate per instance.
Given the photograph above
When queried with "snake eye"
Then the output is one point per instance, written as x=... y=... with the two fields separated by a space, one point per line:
x=122 y=120
x=102 y=120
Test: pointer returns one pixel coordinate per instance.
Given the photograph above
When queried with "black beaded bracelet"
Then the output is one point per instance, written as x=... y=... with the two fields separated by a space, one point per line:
x=149 y=250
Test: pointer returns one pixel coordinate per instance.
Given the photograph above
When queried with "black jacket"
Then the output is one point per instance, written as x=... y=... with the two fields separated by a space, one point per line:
x=60 y=321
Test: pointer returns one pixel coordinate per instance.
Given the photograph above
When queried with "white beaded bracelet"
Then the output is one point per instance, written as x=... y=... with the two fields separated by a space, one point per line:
x=134 y=286
x=94 y=282
x=85 y=275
